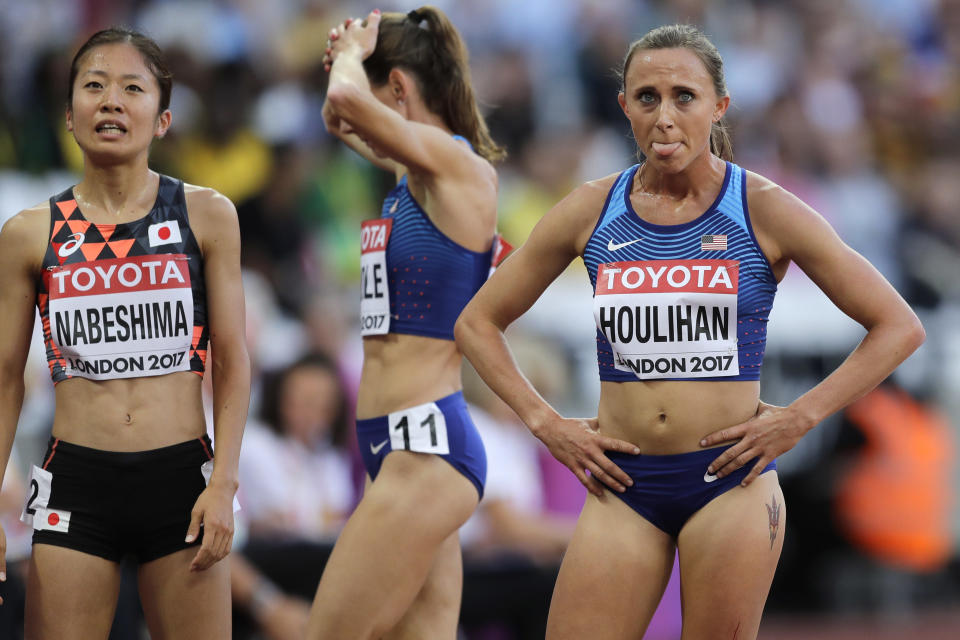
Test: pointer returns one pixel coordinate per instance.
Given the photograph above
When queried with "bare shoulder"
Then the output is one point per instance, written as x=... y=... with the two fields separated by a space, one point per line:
x=212 y=214
x=24 y=236
x=769 y=202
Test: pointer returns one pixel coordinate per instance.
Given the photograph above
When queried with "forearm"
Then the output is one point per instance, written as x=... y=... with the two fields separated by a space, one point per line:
x=875 y=358
x=11 y=401
x=485 y=346
x=231 y=400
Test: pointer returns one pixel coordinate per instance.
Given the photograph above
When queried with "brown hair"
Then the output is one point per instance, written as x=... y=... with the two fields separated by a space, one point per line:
x=149 y=50
x=437 y=57
x=685 y=36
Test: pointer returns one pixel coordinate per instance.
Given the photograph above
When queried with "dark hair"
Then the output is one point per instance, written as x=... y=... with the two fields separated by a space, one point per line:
x=270 y=410
x=685 y=36
x=149 y=50
x=437 y=57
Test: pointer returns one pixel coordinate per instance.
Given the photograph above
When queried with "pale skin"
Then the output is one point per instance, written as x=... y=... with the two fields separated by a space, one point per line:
x=396 y=570
x=115 y=85
x=730 y=547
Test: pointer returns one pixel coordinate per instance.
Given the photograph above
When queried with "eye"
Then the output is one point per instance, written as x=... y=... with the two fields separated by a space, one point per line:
x=685 y=96
x=93 y=84
x=646 y=97
x=134 y=87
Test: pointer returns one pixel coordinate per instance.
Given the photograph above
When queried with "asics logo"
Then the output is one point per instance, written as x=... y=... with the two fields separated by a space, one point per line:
x=613 y=246
x=376 y=449
x=709 y=477
x=71 y=245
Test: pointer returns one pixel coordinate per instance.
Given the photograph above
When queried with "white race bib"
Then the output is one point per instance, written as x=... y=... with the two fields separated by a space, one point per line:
x=670 y=318
x=122 y=317
x=375 y=303
x=422 y=428
x=36 y=513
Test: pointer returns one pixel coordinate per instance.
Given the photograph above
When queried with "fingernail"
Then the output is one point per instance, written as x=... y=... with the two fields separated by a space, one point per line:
x=376 y=11
x=703 y=443
x=3 y=576
x=636 y=449
x=710 y=470
x=189 y=538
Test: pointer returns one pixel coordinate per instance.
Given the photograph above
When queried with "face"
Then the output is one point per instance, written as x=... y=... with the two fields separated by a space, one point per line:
x=671 y=104
x=116 y=101
x=310 y=400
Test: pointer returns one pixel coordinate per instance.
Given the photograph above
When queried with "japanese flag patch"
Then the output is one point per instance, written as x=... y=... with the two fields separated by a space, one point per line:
x=164 y=233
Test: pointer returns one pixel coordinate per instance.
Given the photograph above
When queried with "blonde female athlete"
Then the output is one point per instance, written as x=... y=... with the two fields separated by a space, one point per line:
x=400 y=94
x=684 y=252
x=132 y=273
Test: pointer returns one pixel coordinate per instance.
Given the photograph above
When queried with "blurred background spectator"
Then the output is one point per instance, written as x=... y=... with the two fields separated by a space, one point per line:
x=852 y=104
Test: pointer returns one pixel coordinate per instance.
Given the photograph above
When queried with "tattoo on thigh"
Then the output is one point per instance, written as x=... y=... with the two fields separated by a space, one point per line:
x=773 y=512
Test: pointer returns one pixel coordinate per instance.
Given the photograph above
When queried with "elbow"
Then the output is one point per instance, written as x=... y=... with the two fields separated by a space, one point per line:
x=461 y=329
x=916 y=334
x=343 y=98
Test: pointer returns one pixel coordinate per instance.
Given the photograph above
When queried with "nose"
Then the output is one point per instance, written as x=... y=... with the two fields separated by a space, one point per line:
x=665 y=116
x=110 y=100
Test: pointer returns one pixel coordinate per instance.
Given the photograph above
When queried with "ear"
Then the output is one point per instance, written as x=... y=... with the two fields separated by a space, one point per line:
x=722 y=105
x=69 y=118
x=622 y=99
x=400 y=85
x=163 y=123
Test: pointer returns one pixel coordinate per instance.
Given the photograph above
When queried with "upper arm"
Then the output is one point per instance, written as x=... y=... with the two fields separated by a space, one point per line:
x=21 y=253
x=213 y=219
x=791 y=231
x=555 y=241
x=421 y=148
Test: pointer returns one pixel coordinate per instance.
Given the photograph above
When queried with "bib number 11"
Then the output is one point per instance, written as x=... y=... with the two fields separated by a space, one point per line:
x=422 y=428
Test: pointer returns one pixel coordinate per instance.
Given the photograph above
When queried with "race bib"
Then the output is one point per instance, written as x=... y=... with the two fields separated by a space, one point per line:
x=375 y=303
x=670 y=318
x=36 y=513
x=422 y=428
x=122 y=317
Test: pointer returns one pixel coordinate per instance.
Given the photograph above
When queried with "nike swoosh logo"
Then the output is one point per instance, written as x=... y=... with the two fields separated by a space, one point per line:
x=709 y=477
x=613 y=246
x=376 y=449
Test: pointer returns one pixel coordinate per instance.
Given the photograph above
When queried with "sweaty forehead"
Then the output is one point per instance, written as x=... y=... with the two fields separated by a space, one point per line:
x=118 y=57
x=673 y=66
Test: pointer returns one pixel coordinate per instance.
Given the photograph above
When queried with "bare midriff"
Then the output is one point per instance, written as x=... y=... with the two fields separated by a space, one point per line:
x=672 y=416
x=401 y=371
x=130 y=414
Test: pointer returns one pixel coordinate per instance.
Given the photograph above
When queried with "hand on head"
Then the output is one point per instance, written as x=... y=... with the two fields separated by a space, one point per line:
x=361 y=34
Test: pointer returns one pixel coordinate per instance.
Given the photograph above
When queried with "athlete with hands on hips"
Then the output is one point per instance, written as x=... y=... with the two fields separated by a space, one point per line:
x=400 y=95
x=133 y=273
x=684 y=252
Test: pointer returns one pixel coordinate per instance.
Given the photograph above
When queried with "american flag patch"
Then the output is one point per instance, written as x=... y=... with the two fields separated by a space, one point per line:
x=713 y=243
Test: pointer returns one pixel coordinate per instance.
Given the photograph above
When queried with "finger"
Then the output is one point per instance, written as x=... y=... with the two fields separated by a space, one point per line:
x=724 y=458
x=592 y=485
x=373 y=20
x=738 y=462
x=346 y=23
x=203 y=559
x=724 y=435
x=597 y=472
x=196 y=517
x=613 y=470
x=755 y=472
x=612 y=444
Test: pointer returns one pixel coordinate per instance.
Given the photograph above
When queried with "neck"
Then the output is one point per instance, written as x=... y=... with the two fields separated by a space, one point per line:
x=116 y=189
x=699 y=175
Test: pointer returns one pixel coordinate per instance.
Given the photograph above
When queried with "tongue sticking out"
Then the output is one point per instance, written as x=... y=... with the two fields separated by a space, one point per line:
x=665 y=149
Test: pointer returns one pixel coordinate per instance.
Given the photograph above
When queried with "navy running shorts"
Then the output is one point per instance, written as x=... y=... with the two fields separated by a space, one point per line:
x=442 y=428
x=668 y=489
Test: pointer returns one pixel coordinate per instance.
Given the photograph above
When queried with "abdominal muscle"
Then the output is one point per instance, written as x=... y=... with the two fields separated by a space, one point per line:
x=402 y=371
x=130 y=414
x=672 y=416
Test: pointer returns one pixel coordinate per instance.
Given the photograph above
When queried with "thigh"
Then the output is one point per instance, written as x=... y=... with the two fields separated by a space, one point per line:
x=70 y=594
x=728 y=554
x=434 y=612
x=388 y=546
x=612 y=576
x=183 y=604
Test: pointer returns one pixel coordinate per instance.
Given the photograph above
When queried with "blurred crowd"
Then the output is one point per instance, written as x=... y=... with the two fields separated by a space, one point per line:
x=854 y=105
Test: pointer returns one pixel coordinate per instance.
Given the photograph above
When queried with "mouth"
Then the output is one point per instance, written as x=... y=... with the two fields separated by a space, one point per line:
x=111 y=128
x=665 y=149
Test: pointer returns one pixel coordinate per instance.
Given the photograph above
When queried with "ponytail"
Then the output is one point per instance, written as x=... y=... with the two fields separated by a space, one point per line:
x=426 y=43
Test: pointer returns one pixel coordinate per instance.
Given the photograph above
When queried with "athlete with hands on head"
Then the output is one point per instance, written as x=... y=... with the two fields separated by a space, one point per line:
x=684 y=252
x=400 y=95
x=132 y=273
